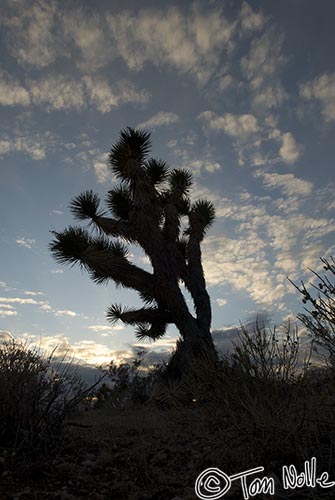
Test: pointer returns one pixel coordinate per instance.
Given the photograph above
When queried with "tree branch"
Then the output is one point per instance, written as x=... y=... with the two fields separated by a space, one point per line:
x=196 y=284
x=116 y=228
x=143 y=315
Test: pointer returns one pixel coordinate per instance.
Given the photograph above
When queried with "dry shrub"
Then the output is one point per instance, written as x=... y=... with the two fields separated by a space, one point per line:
x=261 y=405
x=35 y=398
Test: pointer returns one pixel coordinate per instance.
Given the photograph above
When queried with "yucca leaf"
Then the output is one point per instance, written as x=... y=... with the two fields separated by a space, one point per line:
x=85 y=205
x=132 y=316
x=182 y=246
x=115 y=248
x=69 y=246
x=157 y=170
x=180 y=181
x=202 y=213
x=114 y=313
x=119 y=202
x=183 y=206
x=154 y=332
x=129 y=153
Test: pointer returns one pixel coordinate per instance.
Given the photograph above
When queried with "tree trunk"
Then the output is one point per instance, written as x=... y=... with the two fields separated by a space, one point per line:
x=194 y=345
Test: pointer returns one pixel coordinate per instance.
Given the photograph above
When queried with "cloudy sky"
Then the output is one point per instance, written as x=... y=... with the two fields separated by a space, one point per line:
x=241 y=93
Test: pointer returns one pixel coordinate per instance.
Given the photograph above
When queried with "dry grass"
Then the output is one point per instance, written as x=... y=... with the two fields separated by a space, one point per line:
x=35 y=398
x=253 y=409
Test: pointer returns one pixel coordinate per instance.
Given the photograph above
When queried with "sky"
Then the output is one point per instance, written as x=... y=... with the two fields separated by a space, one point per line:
x=241 y=93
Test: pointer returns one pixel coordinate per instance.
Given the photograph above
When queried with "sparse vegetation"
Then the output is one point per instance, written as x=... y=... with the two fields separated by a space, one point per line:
x=148 y=437
x=35 y=398
x=129 y=384
x=319 y=315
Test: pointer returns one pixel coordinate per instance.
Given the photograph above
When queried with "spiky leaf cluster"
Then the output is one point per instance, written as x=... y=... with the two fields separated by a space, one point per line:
x=201 y=217
x=149 y=331
x=146 y=208
x=69 y=246
x=128 y=154
x=156 y=171
x=72 y=246
x=119 y=202
x=180 y=181
x=85 y=205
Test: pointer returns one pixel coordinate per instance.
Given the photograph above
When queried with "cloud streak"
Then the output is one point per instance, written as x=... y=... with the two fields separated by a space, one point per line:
x=160 y=119
x=322 y=90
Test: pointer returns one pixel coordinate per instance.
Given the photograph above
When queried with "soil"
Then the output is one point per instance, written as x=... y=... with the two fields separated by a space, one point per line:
x=139 y=453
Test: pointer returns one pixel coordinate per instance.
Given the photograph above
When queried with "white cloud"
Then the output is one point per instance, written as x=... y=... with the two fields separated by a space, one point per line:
x=5 y=147
x=159 y=119
x=42 y=304
x=212 y=166
x=264 y=58
x=322 y=89
x=270 y=96
x=45 y=306
x=33 y=146
x=288 y=183
x=289 y=150
x=243 y=264
x=221 y=302
x=30 y=146
x=261 y=68
x=100 y=93
x=11 y=92
x=66 y=312
x=7 y=313
x=106 y=328
x=86 y=351
x=101 y=170
x=250 y=20
x=225 y=82
x=197 y=166
x=32 y=32
x=128 y=93
x=57 y=271
x=25 y=242
x=28 y=292
x=85 y=30
x=267 y=242
x=234 y=125
x=191 y=43
x=18 y=300
x=106 y=97
x=58 y=92
x=183 y=150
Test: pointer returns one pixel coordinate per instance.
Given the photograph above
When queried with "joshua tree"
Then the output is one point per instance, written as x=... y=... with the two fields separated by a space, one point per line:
x=146 y=209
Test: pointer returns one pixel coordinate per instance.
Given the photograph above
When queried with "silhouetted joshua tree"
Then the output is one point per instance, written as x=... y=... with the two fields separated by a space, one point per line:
x=147 y=209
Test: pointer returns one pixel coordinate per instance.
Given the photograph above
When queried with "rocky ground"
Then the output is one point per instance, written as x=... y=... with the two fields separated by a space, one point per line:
x=141 y=453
